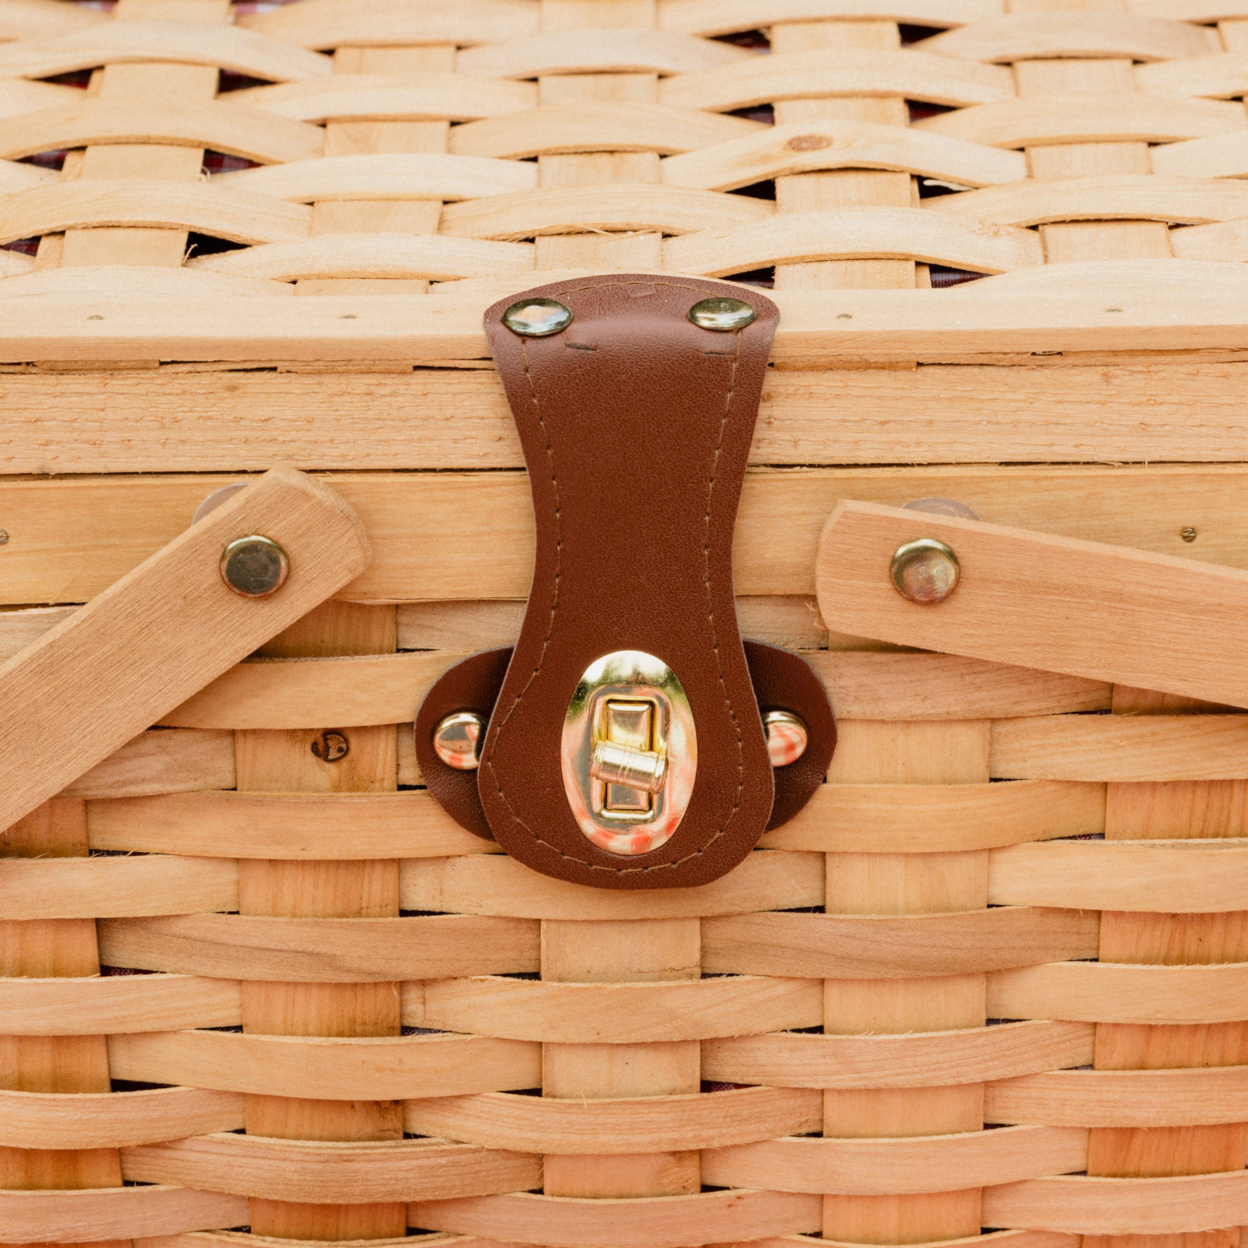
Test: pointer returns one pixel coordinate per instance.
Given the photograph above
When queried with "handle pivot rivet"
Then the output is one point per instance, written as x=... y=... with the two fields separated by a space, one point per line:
x=924 y=571
x=254 y=566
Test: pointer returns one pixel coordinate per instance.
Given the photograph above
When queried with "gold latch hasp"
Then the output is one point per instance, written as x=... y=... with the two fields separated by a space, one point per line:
x=629 y=752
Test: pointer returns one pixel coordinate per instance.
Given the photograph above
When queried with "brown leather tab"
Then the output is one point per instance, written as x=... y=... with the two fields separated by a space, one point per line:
x=783 y=681
x=636 y=427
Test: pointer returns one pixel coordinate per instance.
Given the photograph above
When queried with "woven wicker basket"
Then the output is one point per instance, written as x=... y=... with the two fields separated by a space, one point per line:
x=258 y=990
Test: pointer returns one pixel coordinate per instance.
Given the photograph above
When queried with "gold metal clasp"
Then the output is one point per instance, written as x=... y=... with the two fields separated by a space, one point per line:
x=629 y=752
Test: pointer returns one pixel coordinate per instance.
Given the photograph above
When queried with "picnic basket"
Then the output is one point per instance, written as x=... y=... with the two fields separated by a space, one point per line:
x=991 y=984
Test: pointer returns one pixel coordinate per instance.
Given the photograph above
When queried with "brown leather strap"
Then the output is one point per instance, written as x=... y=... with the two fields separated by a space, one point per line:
x=636 y=427
x=783 y=681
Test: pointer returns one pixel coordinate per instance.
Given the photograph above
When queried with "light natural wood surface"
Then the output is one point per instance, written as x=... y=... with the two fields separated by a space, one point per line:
x=54 y=734
x=1041 y=600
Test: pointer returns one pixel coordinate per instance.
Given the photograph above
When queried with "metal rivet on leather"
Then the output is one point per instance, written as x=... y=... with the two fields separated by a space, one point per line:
x=787 y=737
x=457 y=740
x=537 y=318
x=722 y=314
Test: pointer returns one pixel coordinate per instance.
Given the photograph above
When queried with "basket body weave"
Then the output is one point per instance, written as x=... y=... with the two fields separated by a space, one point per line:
x=256 y=988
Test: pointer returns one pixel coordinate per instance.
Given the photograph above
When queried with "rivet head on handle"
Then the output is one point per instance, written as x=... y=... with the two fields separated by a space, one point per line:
x=721 y=314
x=925 y=571
x=787 y=737
x=458 y=738
x=254 y=566
x=537 y=318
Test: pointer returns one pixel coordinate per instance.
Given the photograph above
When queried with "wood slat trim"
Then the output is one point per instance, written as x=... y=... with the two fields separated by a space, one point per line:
x=399 y=175
x=1109 y=197
x=126 y=1003
x=817 y=327
x=96 y=280
x=854 y=233
x=1105 y=992
x=293 y=950
x=1095 y=1206
x=1122 y=1098
x=626 y=127
x=327 y=1069
x=1121 y=748
x=826 y=73
x=1220 y=76
x=597 y=51
x=90 y=888
x=810 y=146
x=1033 y=36
x=372 y=256
x=34 y=19
x=324 y=1172
x=1214 y=156
x=15 y=176
x=391 y=97
x=466 y=536
x=495 y=884
x=893 y=1167
x=1224 y=240
x=205 y=208
x=181 y=42
x=903 y=818
x=1164 y=877
x=726 y=17
x=161 y=762
x=303 y=693
x=346 y=23
x=568 y=209
x=649 y=1222
x=114 y=1119
x=842 y=946
x=936 y=1059
x=613 y=1013
x=279 y=825
x=41 y=1217
x=12 y=264
x=210 y=123
x=18 y=96
x=1040 y=121
x=650 y=1124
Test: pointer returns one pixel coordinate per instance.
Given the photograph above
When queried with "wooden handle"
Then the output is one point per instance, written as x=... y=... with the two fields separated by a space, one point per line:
x=162 y=632
x=1107 y=612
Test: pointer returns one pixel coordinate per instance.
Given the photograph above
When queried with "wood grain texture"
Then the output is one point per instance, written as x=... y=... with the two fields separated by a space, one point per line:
x=333 y=23
x=838 y=946
x=80 y=888
x=384 y=1068
x=109 y=1006
x=944 y=1058
x=721 y=17
x=320 y=1172
x=614 y=1013
x=161 y=762
x=150 y=610
x=114 y=1119
x=650 y=1124
x=883 y=1167
x=283 y=949
x=41 y=1217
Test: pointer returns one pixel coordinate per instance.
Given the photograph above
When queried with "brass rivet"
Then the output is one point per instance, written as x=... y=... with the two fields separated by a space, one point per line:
x=331 y=746
x=787 y=737
x=254 y=566
x=4 y=537
x=537 y=318
x=925 y=571
x=1187 y=533
x=721 y=314
x=458 y=738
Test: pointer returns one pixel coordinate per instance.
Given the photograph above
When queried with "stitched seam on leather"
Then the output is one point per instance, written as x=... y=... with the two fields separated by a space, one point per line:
x=550 y=454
